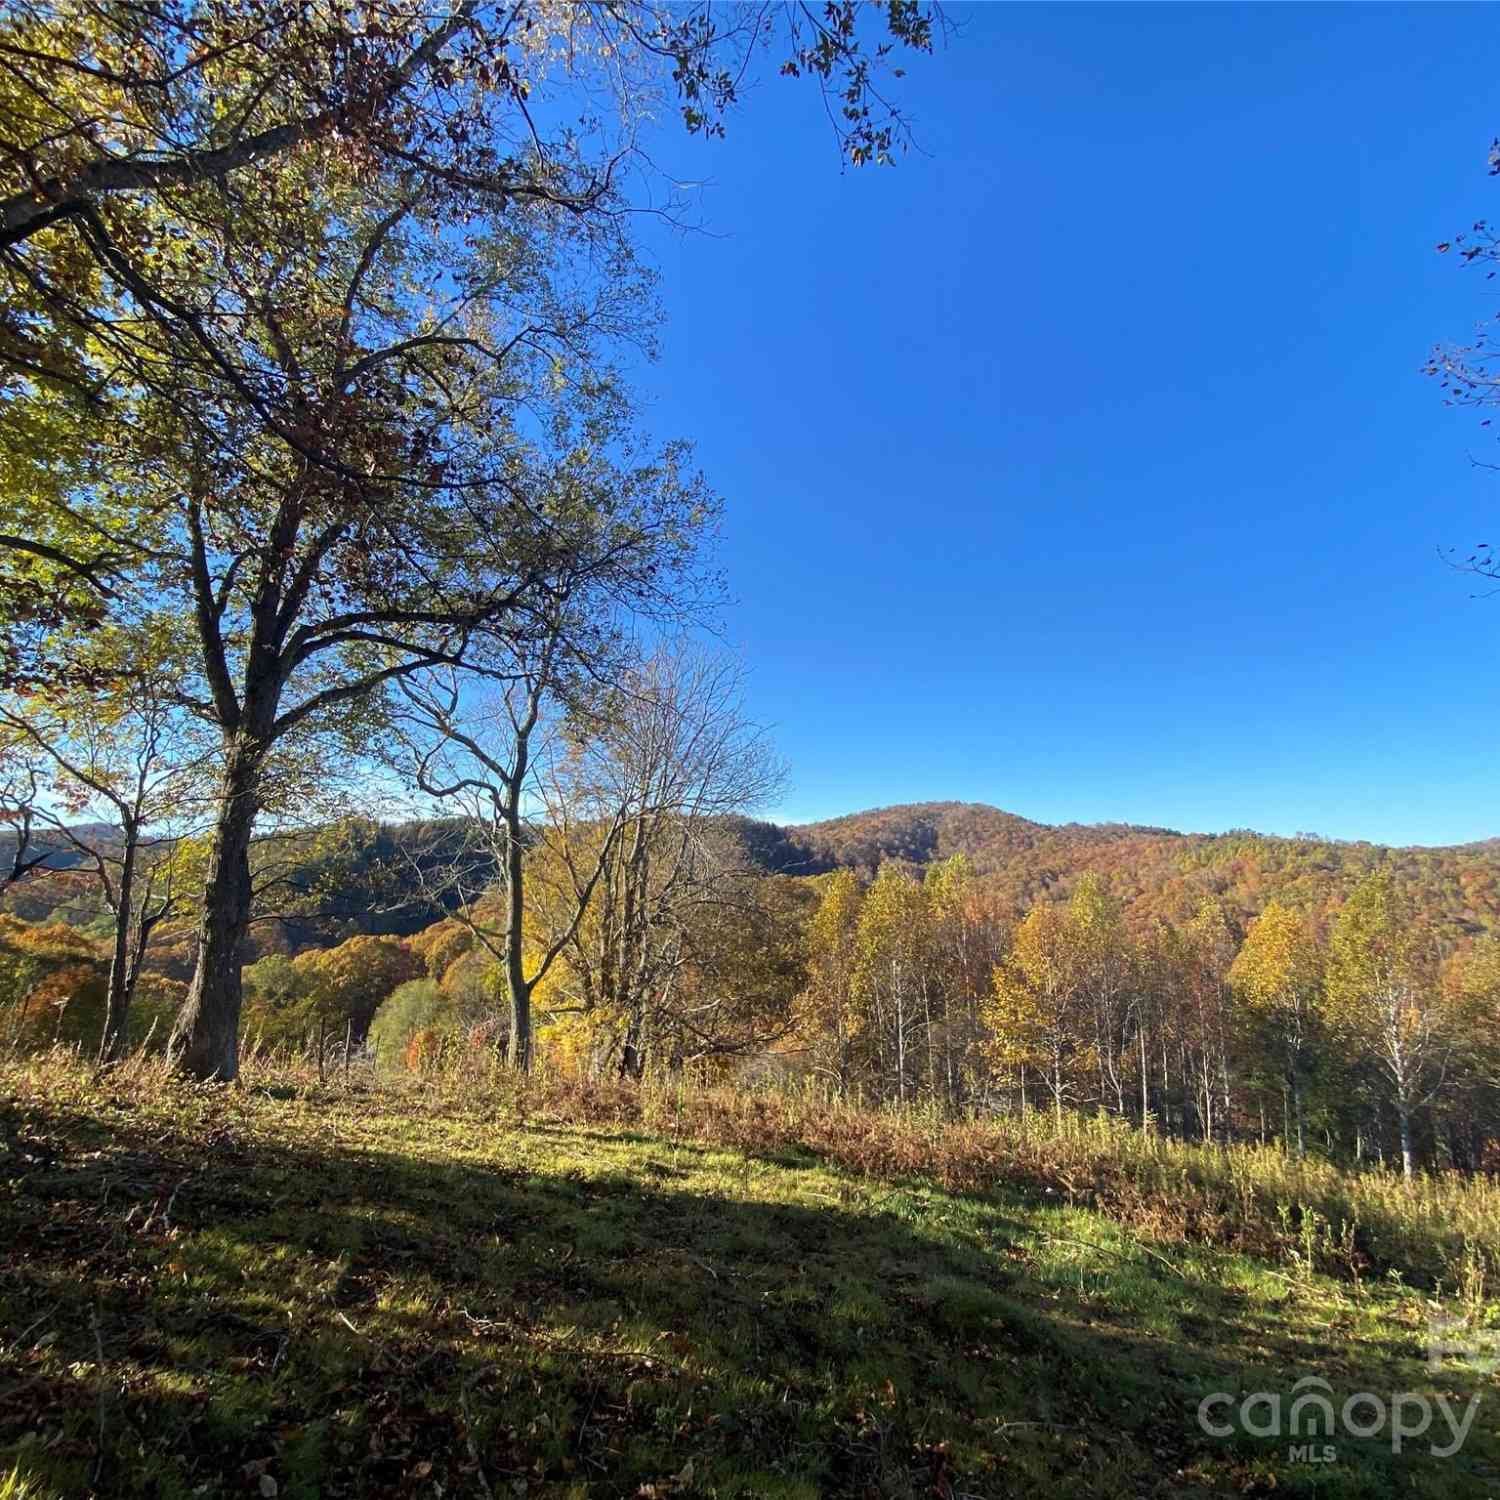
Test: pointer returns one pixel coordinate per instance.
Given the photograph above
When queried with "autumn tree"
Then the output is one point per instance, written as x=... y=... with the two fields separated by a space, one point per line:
x=1384 y=995
x=964 y=944
x=330 y=418
x=52 y=984
x=440 y=944
x=1277 y=982
x=319 y=588
x=275 y=991
x=1206 y=954
x=125 y=772
x=103 y=102
x=831 y=1020
x=326 y=996
x=489 y=755
x=22 y=808
x=1467 y=1105
x=147 y=154
x=893 y=981
x=898 y=979
x=1036 y=1021
x=1103 y=967
x=347 y=984
x=735 y=1001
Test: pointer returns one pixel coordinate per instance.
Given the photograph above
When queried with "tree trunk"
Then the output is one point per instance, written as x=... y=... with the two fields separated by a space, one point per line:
x=900 y=998
x=117 y=996
x=205 y=1037
x=927 y=1023
x=515 y=956
x=1403 y=1115
x=116 y=1011
x=520 y=1026
x=632 y=1052
x=1145 y=1087
x=1224 y=1091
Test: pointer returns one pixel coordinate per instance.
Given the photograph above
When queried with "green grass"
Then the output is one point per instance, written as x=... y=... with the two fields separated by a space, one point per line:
x=369 y=1292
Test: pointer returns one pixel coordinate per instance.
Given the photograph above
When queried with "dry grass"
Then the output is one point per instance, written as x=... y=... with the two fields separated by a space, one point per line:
x=1439 y=1232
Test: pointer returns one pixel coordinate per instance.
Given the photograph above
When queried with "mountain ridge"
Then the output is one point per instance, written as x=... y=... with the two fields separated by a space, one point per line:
x=945 y=804
x=1157 y=873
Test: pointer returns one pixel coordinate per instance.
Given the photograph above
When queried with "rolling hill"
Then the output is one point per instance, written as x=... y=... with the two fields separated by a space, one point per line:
x=1156 y=872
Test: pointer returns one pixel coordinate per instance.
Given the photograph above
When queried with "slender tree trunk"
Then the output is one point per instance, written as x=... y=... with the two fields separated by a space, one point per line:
x=205 y=1037
x=1145 y=1087
x=117 y=997
x=1403 y=1118
x=632 y=1052
x=843 y=1046
x=1224 y=1091
x=900 y=1034
x=116 y=1012
x=927 y=1023
x=515 y=966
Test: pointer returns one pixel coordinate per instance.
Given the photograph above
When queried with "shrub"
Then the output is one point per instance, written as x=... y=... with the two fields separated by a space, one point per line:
x=409 y=1027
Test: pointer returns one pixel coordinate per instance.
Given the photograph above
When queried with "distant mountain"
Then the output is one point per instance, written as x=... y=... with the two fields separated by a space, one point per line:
x=60 y=853
x=320 y=885
x=362 y=880
x=1157 y=872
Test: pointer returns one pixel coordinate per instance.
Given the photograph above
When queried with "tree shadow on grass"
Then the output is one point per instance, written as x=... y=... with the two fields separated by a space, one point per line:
x=334 y=1321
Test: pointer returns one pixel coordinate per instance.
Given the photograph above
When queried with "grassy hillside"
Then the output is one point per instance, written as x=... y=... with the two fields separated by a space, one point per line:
x=282 y=1290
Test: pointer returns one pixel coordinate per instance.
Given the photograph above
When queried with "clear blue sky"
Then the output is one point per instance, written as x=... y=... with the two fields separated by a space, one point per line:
x=1084 y=464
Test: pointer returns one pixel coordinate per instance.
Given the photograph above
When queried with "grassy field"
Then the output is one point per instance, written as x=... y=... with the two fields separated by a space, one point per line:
x=294 y=1290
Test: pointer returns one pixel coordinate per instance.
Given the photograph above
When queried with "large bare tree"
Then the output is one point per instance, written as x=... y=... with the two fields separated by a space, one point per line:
x=659 y=764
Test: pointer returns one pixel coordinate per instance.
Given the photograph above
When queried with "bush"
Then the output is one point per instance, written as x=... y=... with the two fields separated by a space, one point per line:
x=408 y=1028
x=53 y=990
x=277 y=1010
x=52 y=985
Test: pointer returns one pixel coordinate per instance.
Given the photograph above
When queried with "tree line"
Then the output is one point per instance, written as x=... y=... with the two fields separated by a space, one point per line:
x=1367 y=1035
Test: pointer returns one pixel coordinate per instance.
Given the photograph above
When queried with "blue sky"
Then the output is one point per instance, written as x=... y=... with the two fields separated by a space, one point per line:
x=1083 y=463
